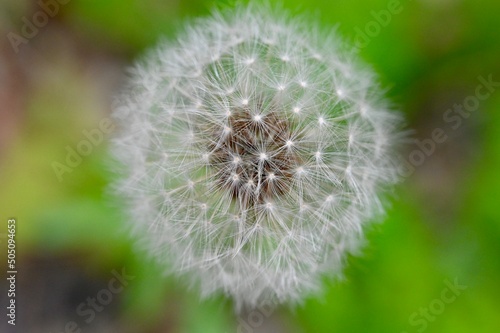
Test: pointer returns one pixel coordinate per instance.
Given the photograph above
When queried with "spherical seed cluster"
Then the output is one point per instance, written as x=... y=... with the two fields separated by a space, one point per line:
x=252 y=152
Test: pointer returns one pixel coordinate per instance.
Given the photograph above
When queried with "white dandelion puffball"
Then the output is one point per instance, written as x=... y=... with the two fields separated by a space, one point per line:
x=252 y=152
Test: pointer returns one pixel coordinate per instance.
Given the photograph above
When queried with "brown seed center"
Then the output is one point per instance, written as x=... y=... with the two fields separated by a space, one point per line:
x=253 y=156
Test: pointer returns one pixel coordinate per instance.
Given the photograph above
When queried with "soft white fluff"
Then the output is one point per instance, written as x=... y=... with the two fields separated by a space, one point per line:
x=264 y=213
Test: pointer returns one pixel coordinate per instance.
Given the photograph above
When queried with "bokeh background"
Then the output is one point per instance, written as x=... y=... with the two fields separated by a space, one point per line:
x=443 y=221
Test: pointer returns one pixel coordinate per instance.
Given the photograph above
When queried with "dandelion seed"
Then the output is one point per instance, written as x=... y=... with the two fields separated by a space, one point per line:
x=285 y=58
x=252 y=165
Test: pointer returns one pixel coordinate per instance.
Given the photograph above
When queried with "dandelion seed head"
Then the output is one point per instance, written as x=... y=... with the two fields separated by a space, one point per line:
x=276 y=159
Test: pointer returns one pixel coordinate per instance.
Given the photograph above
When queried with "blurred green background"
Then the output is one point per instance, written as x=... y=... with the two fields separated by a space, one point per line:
x=443 y=221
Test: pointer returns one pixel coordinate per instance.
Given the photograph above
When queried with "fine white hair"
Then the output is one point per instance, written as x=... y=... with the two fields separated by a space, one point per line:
x=253 y=150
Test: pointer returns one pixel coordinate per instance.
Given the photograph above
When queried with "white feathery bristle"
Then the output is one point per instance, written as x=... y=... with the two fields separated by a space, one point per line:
x=253 y=150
